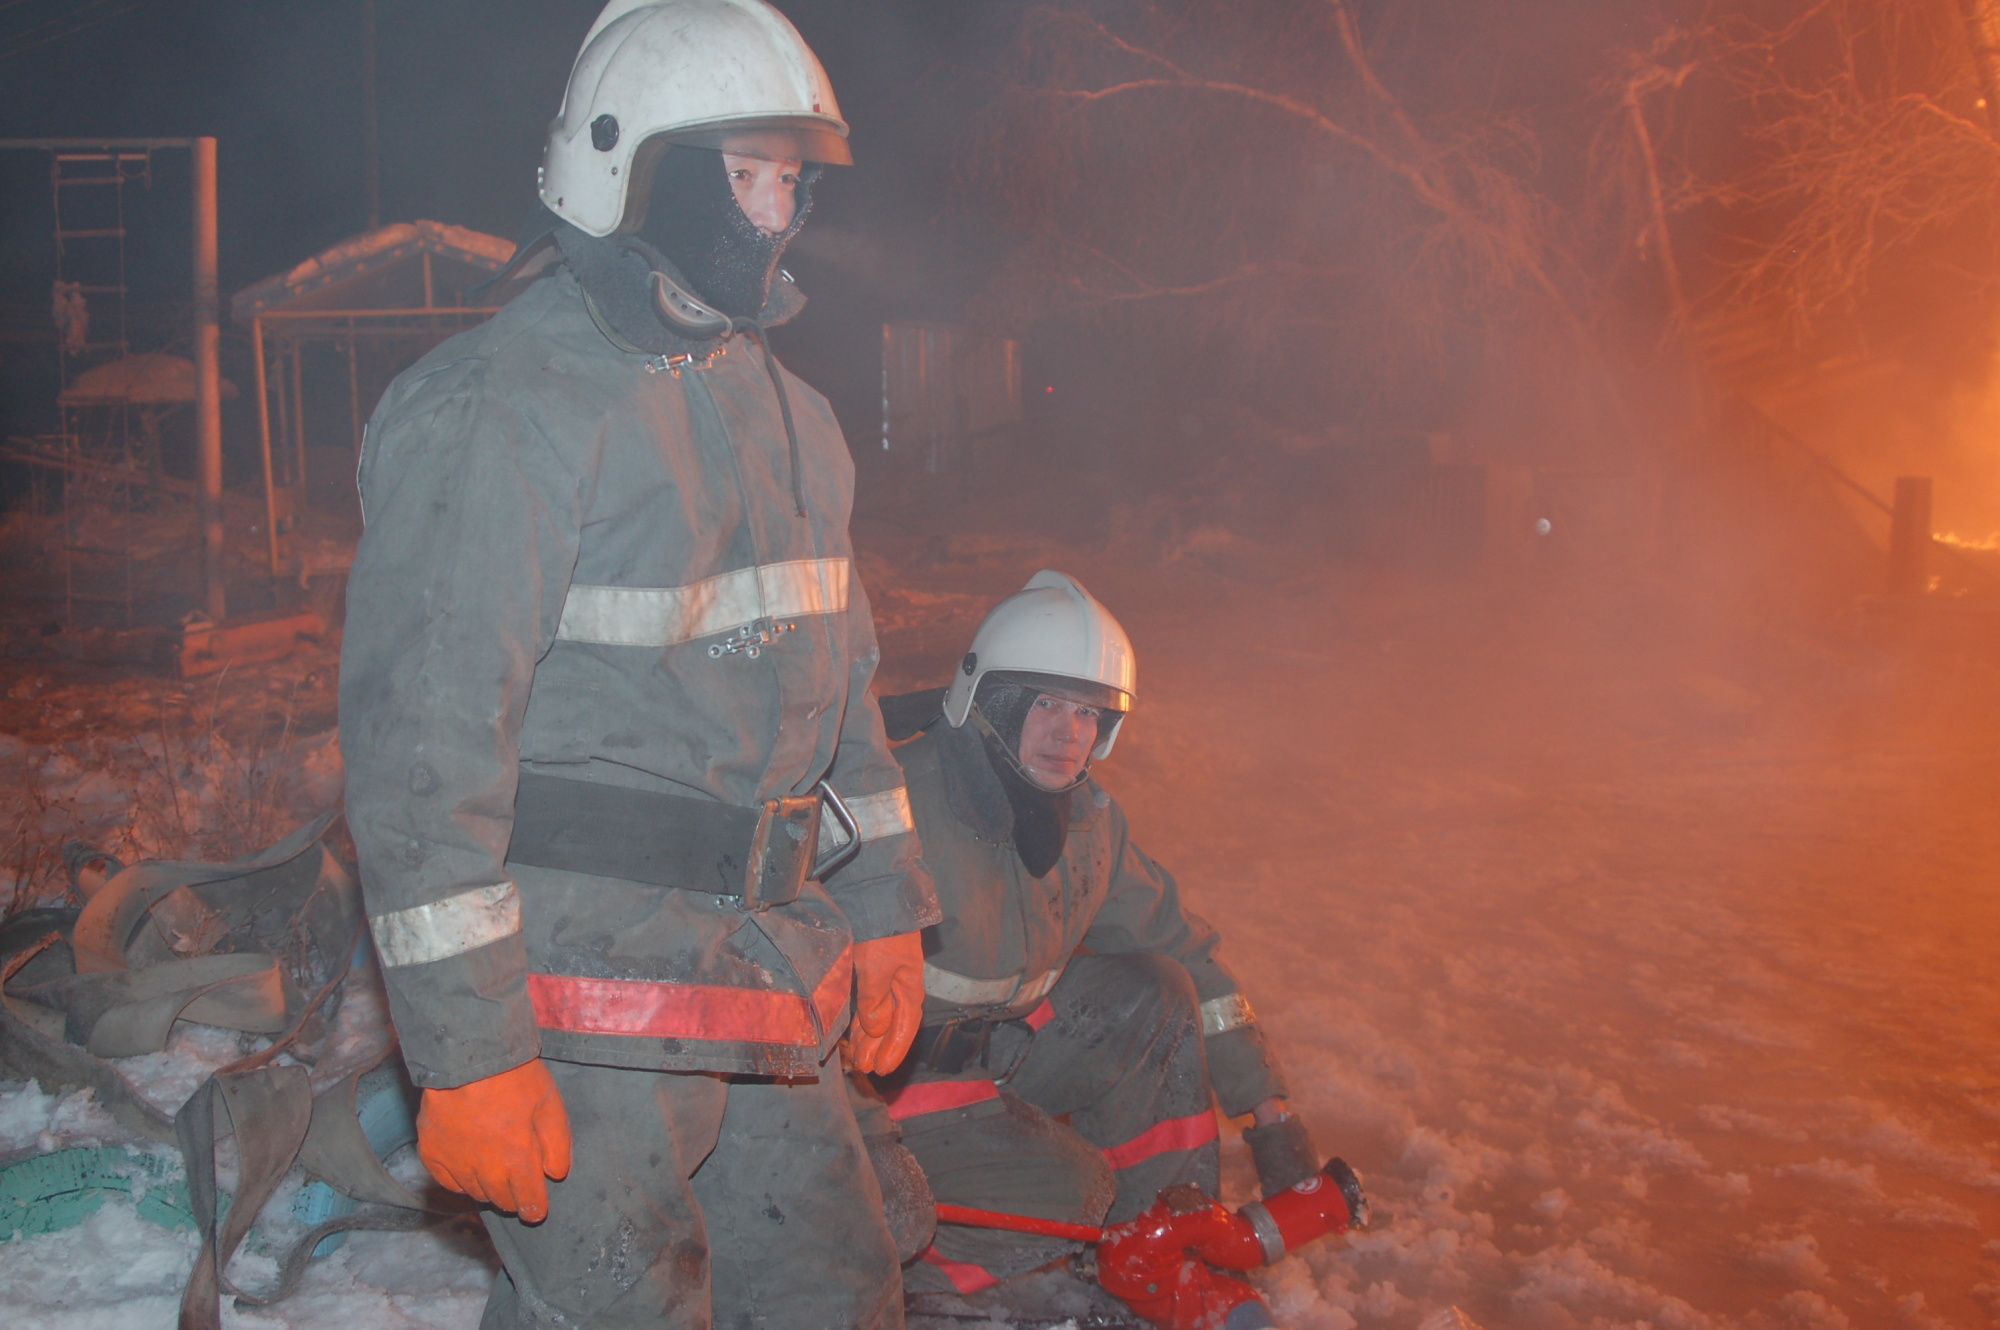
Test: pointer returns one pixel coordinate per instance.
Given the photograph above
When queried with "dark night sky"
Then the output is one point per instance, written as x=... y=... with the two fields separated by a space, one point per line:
x=466 y=91
x=467 y=88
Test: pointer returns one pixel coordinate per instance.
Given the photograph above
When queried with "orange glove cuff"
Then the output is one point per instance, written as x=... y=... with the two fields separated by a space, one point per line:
x=496 y=1139
x=888 y=1001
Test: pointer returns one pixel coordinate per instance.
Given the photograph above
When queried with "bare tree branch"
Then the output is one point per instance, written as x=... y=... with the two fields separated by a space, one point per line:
x=1855 y=151
x=1496 y=230
x=1257 y=171
x=1388 y=161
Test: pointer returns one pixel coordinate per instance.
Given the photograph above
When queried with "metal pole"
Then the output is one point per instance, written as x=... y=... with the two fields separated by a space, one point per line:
x=1910 y=537
x=283 y=431
x=264 y=438
x=208 y=383
x=295 y=466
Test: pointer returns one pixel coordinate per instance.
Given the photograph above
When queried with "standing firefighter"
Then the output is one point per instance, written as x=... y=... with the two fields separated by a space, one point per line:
x=606 y=667
x=1065 y=981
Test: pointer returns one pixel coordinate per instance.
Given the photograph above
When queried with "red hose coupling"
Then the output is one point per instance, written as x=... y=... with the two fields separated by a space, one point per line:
x=1160 y=1263
x=1148 y=1262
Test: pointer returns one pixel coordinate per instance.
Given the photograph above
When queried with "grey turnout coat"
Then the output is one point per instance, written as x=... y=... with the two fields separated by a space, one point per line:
x=569 y=549
x=1006 y=937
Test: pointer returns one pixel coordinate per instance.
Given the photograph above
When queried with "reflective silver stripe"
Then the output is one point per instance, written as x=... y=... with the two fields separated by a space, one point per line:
x=1221 y=1014
x=448 y=927
x=876 y=816
x=1269 y=1237
x=965 y=991
x=1039 y=989
x=880 y=816
x=633 y=616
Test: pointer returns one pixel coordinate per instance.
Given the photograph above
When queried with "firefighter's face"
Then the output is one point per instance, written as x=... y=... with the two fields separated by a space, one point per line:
x=1056 y=739
x=765 y=189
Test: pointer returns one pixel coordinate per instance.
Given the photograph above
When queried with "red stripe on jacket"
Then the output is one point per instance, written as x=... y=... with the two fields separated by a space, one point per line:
x=830 y=998
x=654 y=1010
x=922 y=1097
x=1163 y=1138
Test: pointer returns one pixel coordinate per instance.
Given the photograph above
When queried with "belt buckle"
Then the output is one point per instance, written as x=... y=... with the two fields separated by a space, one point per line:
x=957 y=1045
x=781 y=852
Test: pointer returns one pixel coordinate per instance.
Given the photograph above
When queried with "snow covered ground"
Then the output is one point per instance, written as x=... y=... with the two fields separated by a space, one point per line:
x=1638 y=955
x=1647 y=978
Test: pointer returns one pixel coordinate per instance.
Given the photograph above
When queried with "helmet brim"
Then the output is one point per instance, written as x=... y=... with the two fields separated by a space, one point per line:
x=780 y=139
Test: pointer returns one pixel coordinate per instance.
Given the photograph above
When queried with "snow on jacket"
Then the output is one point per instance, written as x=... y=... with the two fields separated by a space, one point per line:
x=1006 y=936
x=559 y=534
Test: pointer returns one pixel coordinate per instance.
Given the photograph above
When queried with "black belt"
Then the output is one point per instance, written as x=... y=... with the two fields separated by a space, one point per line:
x=949 y=1047
x=760 y=856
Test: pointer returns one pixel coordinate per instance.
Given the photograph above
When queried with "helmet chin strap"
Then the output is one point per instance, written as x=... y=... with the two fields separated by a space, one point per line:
x=985 y=727
x=686 y=312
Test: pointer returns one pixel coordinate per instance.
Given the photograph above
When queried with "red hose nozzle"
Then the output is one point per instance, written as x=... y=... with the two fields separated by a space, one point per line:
x=1330 y=1201
x=1159 y=1264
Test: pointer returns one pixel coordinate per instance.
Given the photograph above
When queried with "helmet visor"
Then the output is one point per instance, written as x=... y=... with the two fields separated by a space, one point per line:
x=779 y=141
x=1083 y=692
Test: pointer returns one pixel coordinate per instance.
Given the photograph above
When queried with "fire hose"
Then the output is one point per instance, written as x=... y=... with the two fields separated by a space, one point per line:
x=1163 y=1264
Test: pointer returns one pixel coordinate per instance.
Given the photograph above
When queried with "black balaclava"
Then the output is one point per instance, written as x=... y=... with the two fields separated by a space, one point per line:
x=616 y=273
x=1041 y=817
x=696 y=234
x=1004 y=702
x=693 y=219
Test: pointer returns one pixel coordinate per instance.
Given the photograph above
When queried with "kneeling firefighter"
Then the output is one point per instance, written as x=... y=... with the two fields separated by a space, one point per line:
x=606 y=667
x=1065 y=980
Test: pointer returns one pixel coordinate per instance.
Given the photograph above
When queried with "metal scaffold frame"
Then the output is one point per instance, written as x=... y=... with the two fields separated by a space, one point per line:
x=206 y=329
x=285 y=333
x=330 y=326
x=84 y=251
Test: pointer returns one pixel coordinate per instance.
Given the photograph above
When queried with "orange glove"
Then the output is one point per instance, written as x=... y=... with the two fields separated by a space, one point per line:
x=493 y=1139
x=888 y=1001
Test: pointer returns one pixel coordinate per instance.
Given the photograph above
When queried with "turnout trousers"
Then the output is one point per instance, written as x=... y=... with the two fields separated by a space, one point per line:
x=1095 y=1102
x=697 y=1201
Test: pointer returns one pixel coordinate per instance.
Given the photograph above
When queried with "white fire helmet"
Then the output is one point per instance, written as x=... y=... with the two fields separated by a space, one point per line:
x=728 y=74
x=1052 y=627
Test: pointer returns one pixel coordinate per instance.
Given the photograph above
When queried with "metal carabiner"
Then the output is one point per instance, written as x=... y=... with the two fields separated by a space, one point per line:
x=839 y=855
